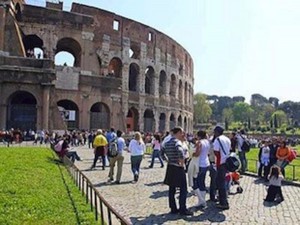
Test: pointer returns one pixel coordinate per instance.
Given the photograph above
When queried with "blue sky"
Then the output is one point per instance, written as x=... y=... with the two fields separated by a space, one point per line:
x=239 y=47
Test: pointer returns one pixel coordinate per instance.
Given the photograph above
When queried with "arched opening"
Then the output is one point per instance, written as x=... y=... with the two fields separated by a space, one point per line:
x=173 y=86
x=64 y=58
x=99 y=116
x=70 y=113
x=22 y=111
x=134 y=51
x=115 y=67
x=132 y=120
x=162 y=122
x=179 y=121
x=172 y=121
x=149 y=81
x=31 y=43
x=185 y=124
x=186 y=93
x=162 y=83
x=70 y=46
x=18 y=12
x=134 y=72
x=180 y=92
x=148 y=120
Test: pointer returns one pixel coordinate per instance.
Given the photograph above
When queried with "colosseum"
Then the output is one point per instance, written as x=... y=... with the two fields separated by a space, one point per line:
x=125 y=74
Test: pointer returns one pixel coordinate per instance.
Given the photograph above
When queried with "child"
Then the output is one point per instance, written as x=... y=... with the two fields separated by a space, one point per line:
x=274 y=189
x=233 y=178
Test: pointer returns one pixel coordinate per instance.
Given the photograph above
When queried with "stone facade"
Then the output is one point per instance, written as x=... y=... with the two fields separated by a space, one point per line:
x=125 y=74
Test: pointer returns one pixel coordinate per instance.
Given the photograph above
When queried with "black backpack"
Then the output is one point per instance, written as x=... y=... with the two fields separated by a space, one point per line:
x=113 y=148
x=246 y=145
x=232 y=162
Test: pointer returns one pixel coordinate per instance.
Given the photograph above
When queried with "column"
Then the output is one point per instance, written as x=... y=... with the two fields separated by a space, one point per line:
x=45 y=107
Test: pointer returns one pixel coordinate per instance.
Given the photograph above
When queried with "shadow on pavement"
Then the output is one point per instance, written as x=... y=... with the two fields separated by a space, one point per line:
x=154 y=184
x=159 y=194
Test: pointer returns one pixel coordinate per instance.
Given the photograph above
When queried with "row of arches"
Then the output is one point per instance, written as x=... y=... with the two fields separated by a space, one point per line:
x=22 y=114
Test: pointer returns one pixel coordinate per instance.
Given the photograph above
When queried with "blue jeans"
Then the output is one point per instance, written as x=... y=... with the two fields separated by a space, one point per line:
x=243 y=159
x=156 y=154
x=136 y=163
x=213 y=183
x=201 y=178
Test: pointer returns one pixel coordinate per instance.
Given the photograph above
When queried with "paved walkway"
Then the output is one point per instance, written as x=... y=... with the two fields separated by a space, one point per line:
x=146 y=202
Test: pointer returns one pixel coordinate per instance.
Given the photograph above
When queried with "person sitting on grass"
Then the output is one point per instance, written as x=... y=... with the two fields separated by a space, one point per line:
x=274 y=190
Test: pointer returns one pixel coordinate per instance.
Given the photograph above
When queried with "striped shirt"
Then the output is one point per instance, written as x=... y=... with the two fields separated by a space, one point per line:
x=174 y=151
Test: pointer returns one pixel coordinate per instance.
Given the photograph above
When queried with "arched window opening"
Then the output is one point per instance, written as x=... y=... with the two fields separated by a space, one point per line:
x=18 y=12
x=134 y=71
x=64 y=59
x=149 y=81
x=31 y=42
x=69 y=112
x=148 y=120
x=186 y=93
x=180 y=90
x=173 y=85
x=180 y=70
x=132 y=120
x=162 y=122
x=162 y=83
x=172 y=121
x=179 y=122
x=22 y=111
x=70 y=46
x=99 y=116
x=185 y=125
x=135 y=50
x=115 y=67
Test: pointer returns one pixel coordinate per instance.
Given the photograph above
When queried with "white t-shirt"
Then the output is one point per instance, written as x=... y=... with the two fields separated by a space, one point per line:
x=226 y=146
x=203 y=157
x=136 y=148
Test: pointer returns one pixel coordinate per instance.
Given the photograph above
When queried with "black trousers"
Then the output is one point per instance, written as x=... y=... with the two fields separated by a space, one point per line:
x=273 y=191
x=220 y=180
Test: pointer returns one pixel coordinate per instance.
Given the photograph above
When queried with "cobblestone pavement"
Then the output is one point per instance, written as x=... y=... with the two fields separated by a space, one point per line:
x=146 y=202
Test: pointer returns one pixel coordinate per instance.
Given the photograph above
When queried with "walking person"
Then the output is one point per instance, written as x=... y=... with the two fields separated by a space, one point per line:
x=156 y=151
x=100 y=145
x=202 y=150
x=222 y=150
x=119 y=158
x=175 y=174
x=136 y=148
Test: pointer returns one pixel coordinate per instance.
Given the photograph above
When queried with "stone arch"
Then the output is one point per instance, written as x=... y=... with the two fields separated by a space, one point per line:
x=172 y=121
x=149 y=80
x=180 y=91
x=71 y=46
x=162 y=83
x=115 y=67
x=173 y=85
x=185 y=124
x=179 y=121
x=132 y=120
x=22 y=111
x=162 y=122
x=32 y=43
x=186 y=93
x=149 y=120
x=69 y=112
x=134 y=77
x=99 y=116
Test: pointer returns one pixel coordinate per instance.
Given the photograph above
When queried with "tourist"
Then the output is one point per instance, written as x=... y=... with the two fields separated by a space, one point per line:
x=222 y=150
x=241 y=137
x=282 y=154
x=175 y=174
x=136 y=148
x=275 y=179
x=202 y=150
x=100 y=145
x=156 y=151
x=264 y=160
x=121 y=145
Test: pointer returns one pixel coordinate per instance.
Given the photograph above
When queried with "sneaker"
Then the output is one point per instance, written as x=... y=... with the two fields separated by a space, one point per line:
x=223 y=207
x=186 y=213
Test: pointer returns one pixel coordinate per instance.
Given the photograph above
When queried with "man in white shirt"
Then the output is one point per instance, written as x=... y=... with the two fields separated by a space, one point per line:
x=221 y=146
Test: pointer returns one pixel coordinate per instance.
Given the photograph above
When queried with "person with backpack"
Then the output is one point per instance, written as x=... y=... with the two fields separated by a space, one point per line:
x=241 y=138
x=222 y=151
x=115 y=152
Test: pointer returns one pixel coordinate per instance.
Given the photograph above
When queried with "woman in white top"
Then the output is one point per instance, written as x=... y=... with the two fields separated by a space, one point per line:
x=202 y=150
x=137 y=148
x=156 y=151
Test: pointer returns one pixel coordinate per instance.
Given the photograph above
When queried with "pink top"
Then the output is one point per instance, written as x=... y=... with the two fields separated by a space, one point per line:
x=156 y=144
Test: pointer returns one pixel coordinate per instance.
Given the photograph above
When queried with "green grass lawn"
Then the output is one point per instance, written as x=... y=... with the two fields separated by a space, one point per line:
x=289 y=170
x=34 y=190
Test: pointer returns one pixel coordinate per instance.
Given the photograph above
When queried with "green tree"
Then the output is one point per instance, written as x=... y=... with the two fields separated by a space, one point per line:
x=279 y=118
x=242 y=111
x=202 y=110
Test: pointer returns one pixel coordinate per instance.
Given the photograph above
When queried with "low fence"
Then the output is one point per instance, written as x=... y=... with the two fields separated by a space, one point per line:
x=104 y=212
x=292 y=172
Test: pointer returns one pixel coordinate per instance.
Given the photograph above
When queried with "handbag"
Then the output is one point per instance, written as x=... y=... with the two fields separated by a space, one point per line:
x=232 y=162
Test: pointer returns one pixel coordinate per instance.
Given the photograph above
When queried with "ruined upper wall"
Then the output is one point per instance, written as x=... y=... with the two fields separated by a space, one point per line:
x=137 y=32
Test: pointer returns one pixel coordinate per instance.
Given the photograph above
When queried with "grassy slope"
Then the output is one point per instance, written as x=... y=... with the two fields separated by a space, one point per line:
x=33 y=191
